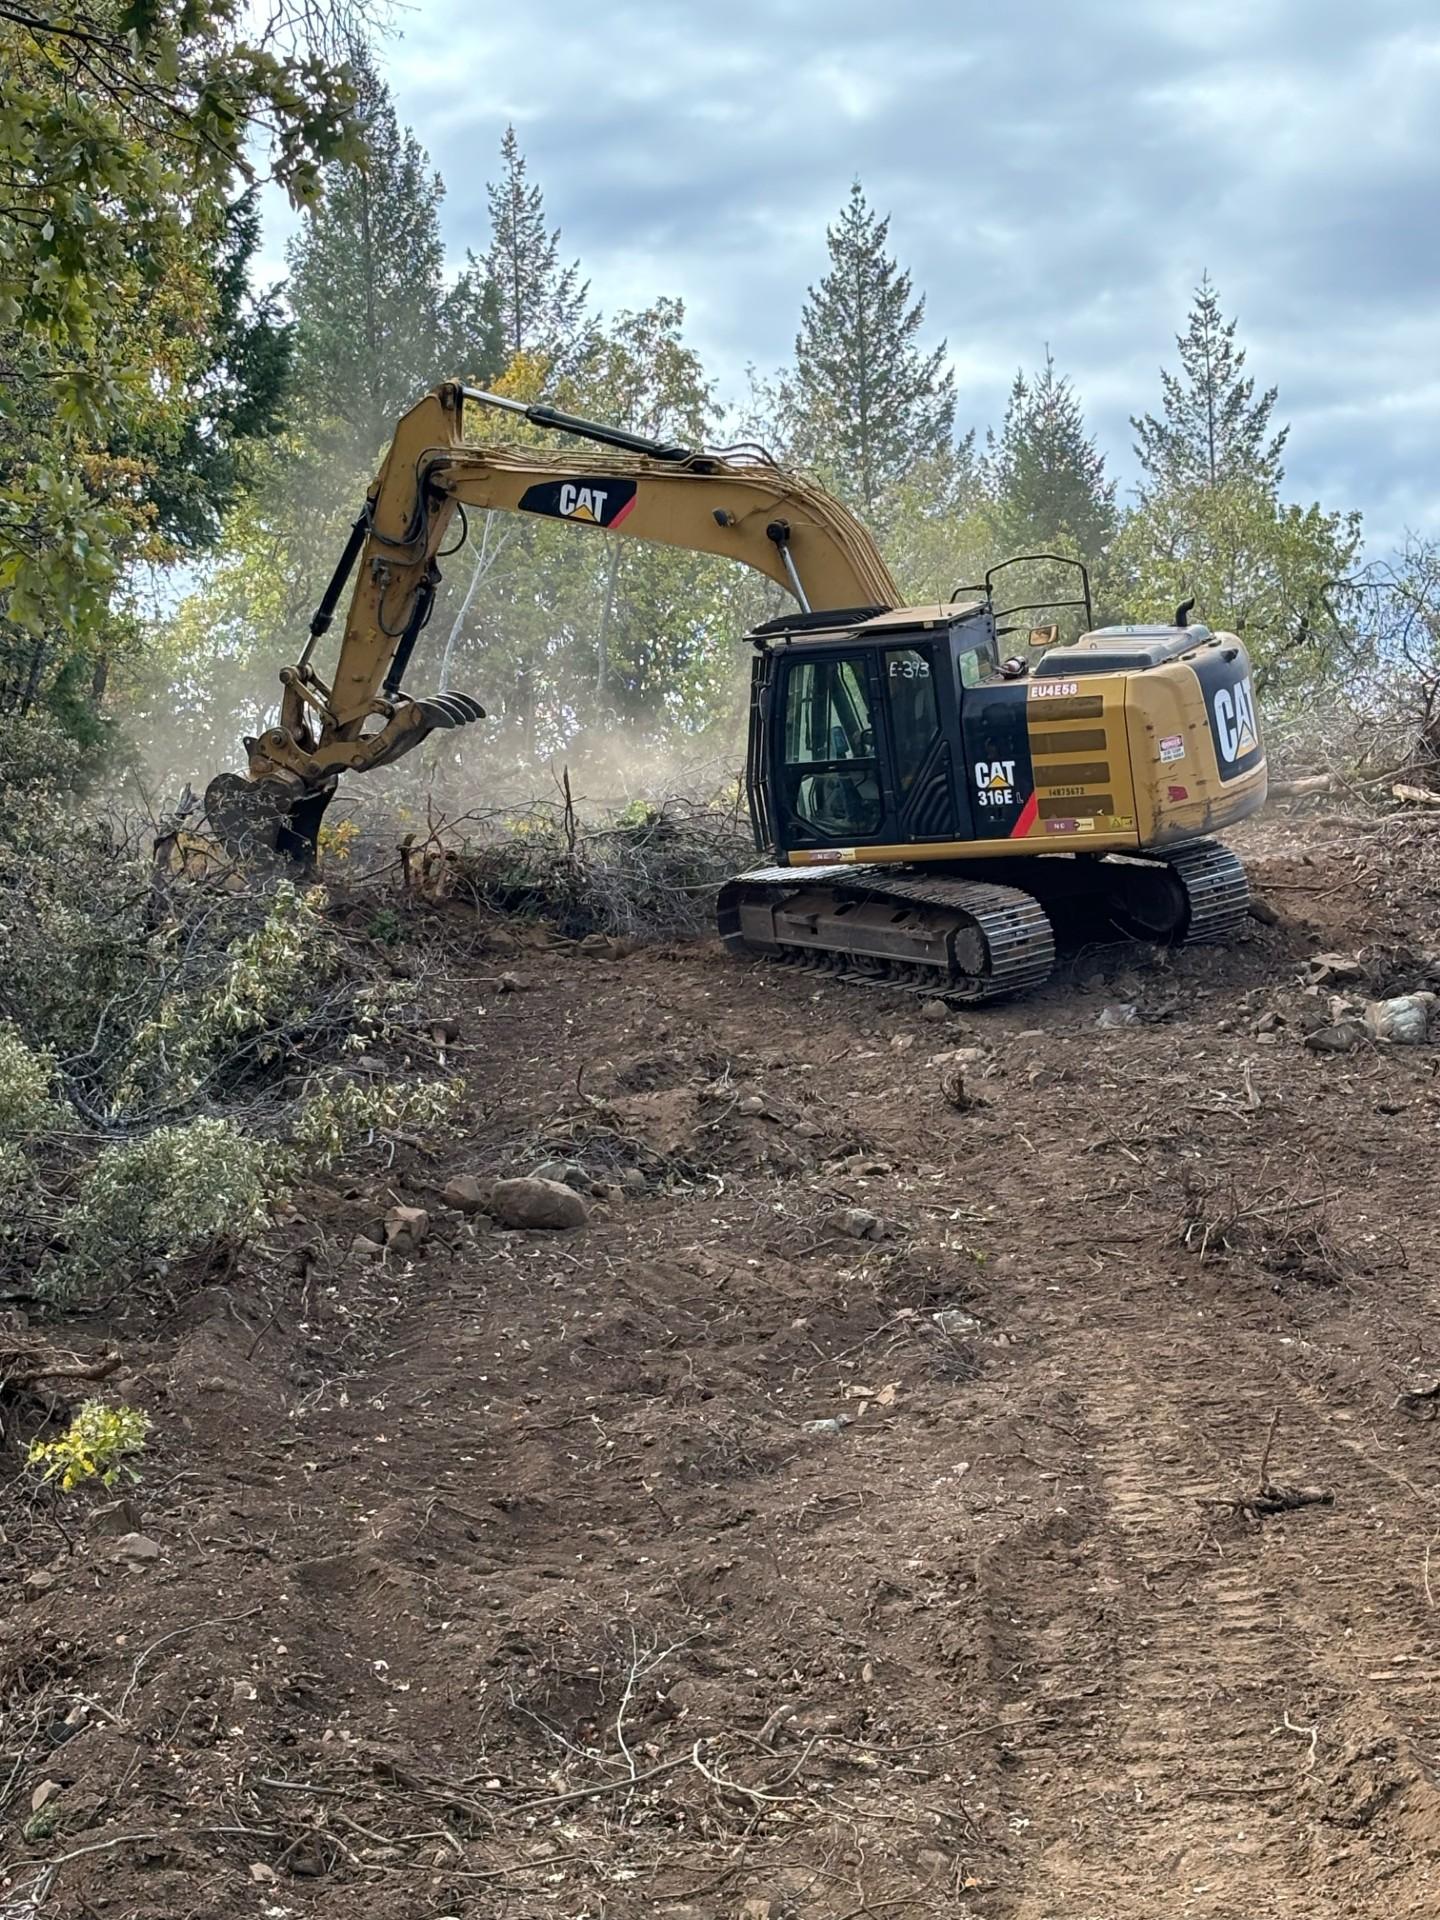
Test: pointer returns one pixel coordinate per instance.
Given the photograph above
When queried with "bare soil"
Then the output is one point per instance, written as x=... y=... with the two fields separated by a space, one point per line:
x=714 y=1561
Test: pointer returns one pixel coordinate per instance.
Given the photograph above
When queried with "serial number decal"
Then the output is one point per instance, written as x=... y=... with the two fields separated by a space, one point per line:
x=1053 y=689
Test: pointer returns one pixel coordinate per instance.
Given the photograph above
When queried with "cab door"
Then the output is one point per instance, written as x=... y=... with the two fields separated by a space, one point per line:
x=920 y=754
x=829 y=780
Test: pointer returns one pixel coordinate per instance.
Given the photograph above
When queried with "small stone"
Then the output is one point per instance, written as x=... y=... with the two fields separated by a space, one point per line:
x=406 y=1229
x=44 y=1794
x=537 y=1203
x=567 y=1173
x=634 y=1179
x=467 y=1194
x=137 y=1548
x=362 y=1247
x=837 y=1425
x=751 y=1106
x=116 y=1517
x=859 y=1223
x=935 y=1010
x=1340 y=1038
x=1120 y=1015
x=954 y=1320
x=510 y=983
x=262 y=1875
x=1268 y=1022
x=38 y=1583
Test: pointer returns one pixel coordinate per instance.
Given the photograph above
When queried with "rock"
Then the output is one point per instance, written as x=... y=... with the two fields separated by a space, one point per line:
x=837 y=1425
x=859 y=1223
x=566 y=1173
x=44 y=1794
x=467 y=1194
x=901 y=1042
x=751 y=1106
x=955 y=1320
x=38 y=1583
x=634 y=1180
x=511 y=983
x=953 y=1087
x=362 y=1247
x=406 y=1229
x=1405 y=1021
x=116 y=1517
x=1267 y=1023
x=137 y=1548
x=1322 y=968
x=1124 y=1014
x=934 y=1010
x=262 y=1875
x=537 y=1203
x=1340 y=1038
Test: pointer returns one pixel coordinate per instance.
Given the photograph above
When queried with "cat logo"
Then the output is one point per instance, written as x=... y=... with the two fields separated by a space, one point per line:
x=1236 y=731
x=593 y=503
x=995 y=783
x=582 y=503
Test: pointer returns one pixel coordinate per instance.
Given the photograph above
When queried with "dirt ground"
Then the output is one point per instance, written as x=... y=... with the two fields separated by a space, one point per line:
x=714 y=1561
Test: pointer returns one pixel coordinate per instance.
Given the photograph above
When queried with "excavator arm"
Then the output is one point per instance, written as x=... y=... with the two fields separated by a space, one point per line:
x=746 y=510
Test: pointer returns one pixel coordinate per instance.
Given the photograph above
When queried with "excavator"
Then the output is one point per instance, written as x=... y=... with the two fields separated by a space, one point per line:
x=925 y=805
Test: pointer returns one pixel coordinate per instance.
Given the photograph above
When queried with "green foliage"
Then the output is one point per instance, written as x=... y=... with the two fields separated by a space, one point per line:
x=1045 y=475
x=27 y=1106
x=1255 y=567
x=97 y=1447
x=121 y=135
x=865 y=401
x=1212 y=430
x=257 y=987
x=176 y=1190
x=342 y=1114
x=542 y=305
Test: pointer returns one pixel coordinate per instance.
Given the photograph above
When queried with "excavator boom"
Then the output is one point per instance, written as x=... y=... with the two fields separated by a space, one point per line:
x=745 y=509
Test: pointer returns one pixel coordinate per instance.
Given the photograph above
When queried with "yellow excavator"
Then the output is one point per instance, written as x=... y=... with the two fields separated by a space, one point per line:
x=924 y=805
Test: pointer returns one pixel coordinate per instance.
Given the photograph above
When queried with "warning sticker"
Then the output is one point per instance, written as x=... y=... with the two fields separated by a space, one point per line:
x=1172 y=747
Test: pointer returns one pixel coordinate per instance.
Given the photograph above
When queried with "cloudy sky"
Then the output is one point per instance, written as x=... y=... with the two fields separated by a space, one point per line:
x=1057 y=171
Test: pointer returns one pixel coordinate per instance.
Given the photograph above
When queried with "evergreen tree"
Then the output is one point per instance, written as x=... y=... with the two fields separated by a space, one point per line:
x=236 y=395
x=866 y=401
x=542 y=304
x=1213 y=428
x=375 y=323
x=1044 y=473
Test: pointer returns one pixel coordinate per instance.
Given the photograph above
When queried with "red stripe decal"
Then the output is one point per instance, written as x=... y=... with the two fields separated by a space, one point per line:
x=628 y=506
x=1027 y=818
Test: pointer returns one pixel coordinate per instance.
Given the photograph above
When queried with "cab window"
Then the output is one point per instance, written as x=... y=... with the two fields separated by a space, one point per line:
x=832 y=776
x=914 y=717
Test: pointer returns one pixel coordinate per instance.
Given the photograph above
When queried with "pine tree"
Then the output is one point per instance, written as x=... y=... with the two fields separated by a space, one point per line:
x=375 y=323
x=1044 y=473
x=1213 y=429
x=866 y=402
x=542 y=304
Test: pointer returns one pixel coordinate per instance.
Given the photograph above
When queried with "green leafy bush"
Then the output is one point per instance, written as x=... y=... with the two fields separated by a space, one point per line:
x=143 y=1201
x=97 y=1446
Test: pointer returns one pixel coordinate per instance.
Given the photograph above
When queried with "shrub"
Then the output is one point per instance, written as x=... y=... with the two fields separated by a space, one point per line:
x=339 y=1117
x=143 y=1201
x=97 y=1445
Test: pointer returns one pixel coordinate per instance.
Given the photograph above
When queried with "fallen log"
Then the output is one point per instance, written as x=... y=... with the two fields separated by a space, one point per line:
x=24 y=1366
x=1298 y=788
